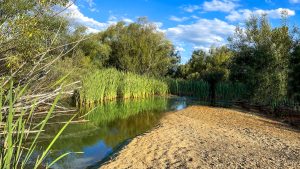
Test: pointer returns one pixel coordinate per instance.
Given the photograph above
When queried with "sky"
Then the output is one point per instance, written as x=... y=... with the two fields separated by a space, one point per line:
x=189 y=24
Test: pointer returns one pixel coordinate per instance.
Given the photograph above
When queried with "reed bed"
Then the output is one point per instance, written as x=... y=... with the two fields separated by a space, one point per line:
x=193 y=88
x=110 y=84
x=225 y=91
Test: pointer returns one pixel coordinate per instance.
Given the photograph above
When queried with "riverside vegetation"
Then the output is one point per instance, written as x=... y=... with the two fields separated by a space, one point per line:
x=110 y=84
x=44 y=57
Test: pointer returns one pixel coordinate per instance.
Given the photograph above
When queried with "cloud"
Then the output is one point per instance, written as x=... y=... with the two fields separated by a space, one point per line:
x=115 y=19
x=127 y=20
x=76 y=18
x=205 y=48
x=220 y=5
x=158 y=24
x=246 y=13
x=91 y=5
x=203 y=33
x=178 y=19
x=294 y=1
x=179 y=49
x=190 y=8
x=195 y=17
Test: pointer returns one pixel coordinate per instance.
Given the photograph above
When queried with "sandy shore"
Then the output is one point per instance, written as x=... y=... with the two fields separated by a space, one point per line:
x=204 y=137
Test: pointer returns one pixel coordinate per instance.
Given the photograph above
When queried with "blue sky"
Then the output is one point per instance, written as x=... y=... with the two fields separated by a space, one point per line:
x=189 y=24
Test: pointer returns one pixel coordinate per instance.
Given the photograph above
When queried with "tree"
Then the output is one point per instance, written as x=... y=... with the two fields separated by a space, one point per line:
x=216 y=69
x=139 y=47
x=211 y=67
x=197 y=64
x=261 y=55
x=294 y=75
x=90 y=51
x=27 y=29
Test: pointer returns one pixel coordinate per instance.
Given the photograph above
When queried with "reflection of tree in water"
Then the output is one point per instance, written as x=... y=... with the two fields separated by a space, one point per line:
x=112 y=123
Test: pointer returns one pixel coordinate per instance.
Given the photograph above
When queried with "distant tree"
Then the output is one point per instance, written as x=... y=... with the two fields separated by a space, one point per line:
x=90 y=51
x=261 y=57
x=174 y=63
x=216 y=69
x=294 y=75
x=139 y=47
x=197 y=64
x=212 y=67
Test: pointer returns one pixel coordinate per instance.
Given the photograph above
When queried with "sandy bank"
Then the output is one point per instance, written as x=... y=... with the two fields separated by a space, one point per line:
x=204 y=137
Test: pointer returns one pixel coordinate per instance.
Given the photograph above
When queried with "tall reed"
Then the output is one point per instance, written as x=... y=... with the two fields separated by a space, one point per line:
x=109 y=84
x=225 y=91
x=15 y=129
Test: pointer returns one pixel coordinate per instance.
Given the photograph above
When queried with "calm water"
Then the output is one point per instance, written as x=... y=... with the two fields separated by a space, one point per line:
x=109 y=127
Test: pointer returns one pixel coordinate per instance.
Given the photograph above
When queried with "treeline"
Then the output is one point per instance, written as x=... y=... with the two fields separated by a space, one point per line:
x=40 y=45
x=137 y=47
x=264 y=58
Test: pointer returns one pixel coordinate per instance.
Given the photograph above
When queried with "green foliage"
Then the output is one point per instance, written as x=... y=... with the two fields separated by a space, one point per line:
x=15 y=128
x=28 y=28
x=211 y=66
x=261 y=55
x=226 y=92
x=140 y=48
x=194 y=88
x=294 y=75
x=109 y=84
x=90 y=51
x=124 y=109
x=196 y=64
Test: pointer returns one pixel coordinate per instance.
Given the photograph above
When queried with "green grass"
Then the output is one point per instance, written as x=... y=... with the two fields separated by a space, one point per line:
x=110 y=84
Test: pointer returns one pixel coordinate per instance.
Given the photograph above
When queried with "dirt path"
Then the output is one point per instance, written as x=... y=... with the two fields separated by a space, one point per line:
x=204 y=137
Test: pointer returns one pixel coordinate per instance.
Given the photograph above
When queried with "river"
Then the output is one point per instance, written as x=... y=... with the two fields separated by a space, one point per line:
x=109 y=127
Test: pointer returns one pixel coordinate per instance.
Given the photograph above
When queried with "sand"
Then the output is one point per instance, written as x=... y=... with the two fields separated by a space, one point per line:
x=206 y=137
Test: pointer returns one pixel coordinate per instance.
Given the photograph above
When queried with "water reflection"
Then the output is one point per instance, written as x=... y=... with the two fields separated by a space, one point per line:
x=109 y=125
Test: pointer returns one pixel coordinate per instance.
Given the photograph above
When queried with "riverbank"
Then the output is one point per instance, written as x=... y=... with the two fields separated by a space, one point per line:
x=205 y=137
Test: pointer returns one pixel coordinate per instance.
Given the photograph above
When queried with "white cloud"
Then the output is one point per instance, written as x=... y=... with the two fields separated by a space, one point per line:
x=91 y=5
x=178 y=19
x=74 y=15
x=114 y=19
x=246 y=13
x=191 y=8
x=220 y=5
x=205 y=48
x=294 y=1
x=180 y=49
x=203 y=33
x=127 y=20
x=158 y=24
x=195 y=17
